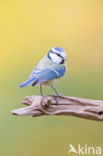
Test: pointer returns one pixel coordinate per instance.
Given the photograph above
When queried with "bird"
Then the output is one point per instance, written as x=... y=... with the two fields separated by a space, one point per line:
x=48 y=71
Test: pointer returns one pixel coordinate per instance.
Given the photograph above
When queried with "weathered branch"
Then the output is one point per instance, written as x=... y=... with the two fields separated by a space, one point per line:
x=69 y=106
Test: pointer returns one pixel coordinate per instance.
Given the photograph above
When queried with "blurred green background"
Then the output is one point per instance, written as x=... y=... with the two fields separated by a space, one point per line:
x=28 y=29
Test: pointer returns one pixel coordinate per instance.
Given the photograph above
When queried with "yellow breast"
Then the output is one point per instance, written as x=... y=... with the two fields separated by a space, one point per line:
x=50 y=83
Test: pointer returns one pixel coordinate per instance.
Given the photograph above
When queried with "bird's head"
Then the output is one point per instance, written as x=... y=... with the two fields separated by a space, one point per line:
x=57 y=55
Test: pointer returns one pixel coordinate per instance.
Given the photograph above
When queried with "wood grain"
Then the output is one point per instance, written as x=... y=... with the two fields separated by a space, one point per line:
x=68 y=106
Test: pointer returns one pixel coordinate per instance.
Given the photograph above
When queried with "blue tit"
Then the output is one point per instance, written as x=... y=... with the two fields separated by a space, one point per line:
x=48 y=71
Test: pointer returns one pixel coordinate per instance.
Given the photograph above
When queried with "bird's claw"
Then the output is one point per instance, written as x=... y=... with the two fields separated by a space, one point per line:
x=41 y=94
x=59 y=94
x=57 y=100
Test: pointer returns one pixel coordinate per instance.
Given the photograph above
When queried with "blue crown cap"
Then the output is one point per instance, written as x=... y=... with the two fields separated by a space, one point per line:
x=59 y=49
x=56 y=49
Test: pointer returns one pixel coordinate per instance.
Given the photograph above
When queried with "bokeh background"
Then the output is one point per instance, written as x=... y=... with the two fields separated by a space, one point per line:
x=28 y=29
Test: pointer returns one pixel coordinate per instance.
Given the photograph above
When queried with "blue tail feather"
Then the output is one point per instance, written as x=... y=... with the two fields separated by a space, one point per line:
x=26 y=83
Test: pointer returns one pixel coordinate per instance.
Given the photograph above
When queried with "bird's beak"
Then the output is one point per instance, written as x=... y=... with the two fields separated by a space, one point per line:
x=65 y=59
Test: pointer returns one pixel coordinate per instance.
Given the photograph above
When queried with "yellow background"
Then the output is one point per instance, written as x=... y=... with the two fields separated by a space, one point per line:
x=28 y=29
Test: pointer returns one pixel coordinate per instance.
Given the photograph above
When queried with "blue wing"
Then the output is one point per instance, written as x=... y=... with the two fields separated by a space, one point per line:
x=46 y=74
x=26 y=83
x=49 y=74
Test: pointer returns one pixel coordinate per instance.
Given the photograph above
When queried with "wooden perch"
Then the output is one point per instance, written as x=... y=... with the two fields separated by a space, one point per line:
x=69 y=106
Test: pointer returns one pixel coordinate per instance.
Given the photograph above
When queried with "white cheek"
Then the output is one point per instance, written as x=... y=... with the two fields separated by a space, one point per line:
x=55 y=58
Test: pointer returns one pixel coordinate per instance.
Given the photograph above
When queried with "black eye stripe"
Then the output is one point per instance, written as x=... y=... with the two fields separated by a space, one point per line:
x=57 y=54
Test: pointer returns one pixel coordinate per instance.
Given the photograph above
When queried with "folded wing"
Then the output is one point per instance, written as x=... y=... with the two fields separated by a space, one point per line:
x=44 y=75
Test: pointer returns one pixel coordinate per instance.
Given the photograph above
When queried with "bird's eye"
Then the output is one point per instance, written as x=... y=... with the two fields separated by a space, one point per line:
x=58 y=54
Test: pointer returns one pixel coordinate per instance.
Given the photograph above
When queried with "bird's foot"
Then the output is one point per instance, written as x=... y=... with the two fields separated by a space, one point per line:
x=41 y=94
x=58 y=95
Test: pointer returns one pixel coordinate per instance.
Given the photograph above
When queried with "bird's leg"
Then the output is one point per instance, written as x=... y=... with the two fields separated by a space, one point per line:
x=41 y=94
x=58 y=94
